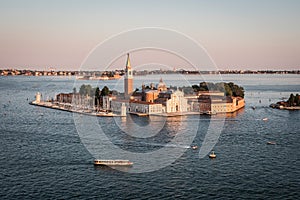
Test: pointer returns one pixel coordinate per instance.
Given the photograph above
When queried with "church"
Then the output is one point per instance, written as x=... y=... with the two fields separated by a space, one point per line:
x=151 y=100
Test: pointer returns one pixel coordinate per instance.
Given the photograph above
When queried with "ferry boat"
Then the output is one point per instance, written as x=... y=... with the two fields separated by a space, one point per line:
x=113 y=162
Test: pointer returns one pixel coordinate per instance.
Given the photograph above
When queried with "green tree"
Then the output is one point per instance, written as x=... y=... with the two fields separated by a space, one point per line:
x=228 y=91
x=196 y=88
x=97 y=96
x=82 y=90
x=105 y=91
x=89 y=90
x=291 y=100
x=232 y=89
x=220 y=87
x=203 y=86
x=86 y=90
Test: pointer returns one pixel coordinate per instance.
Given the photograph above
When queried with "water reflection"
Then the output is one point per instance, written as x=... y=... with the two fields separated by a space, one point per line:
x=128 y=133
x=116 y=169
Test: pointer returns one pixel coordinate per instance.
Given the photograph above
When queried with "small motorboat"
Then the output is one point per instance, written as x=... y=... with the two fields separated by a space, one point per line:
x=253 y=107
x=265 y=119
x=194 y=147
x=271 y=142
x=212 y=155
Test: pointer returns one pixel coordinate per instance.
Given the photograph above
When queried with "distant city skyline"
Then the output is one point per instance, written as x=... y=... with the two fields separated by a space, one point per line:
x=238 y=35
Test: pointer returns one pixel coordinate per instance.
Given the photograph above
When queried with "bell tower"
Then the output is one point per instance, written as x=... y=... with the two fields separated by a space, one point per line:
x=128 y=79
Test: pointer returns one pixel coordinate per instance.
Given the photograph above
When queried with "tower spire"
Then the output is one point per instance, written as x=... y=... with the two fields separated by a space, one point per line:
x=128 y=66
x=128 y=79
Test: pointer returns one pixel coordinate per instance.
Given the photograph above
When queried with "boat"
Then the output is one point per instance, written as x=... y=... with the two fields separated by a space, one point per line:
x=265 y=119
x=271 y=143
x=194 y=147
x=212 y=155
x=113 y=162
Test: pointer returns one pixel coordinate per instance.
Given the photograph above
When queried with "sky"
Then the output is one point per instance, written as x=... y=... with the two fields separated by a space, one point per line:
x=60 y=34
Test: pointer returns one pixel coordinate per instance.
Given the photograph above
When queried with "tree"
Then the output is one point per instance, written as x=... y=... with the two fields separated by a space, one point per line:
x=203 y=86
x=97 y=96
x=232 y=89
x=105 y=91
x=291 y=100
x=89 y=90
x=220 y=87
x=228 y=91
x=82 y=90
x=86 y=90
x=196 y=88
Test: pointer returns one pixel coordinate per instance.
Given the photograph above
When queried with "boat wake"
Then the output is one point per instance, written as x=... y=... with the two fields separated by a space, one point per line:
x=157 y=145
x=166 y=145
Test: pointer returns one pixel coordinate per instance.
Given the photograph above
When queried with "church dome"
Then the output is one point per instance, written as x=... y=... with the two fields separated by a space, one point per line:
x=161 y=85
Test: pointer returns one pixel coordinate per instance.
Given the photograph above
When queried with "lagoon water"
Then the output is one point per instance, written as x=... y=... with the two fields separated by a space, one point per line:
x=42 y=156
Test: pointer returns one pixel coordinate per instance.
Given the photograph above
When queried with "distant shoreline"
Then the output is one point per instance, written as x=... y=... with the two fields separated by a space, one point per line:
x=119 y=73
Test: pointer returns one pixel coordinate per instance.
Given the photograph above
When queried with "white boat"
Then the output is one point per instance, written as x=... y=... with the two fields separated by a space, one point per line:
x=212 y=155
x=271 y=142
x=113 y=162
x=194 y=147
x=265 y=119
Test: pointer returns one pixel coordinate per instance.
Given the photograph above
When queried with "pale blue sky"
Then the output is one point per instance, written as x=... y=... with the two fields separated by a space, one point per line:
x=237 y=34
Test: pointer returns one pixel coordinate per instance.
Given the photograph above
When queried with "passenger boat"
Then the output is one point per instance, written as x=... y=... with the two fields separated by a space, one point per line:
x=212 y=155
x=113 y=162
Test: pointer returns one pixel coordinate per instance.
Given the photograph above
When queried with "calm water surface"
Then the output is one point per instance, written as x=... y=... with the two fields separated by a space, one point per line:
x=42 y=157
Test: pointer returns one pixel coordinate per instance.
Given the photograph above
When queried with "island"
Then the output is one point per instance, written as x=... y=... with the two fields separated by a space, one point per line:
x=293 y=103
x=153 y=99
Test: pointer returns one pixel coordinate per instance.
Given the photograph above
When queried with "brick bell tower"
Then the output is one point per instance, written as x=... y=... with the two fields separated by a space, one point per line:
x=128 y=79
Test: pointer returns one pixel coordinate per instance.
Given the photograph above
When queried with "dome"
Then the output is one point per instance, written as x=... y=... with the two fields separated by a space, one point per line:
x=161 y=85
